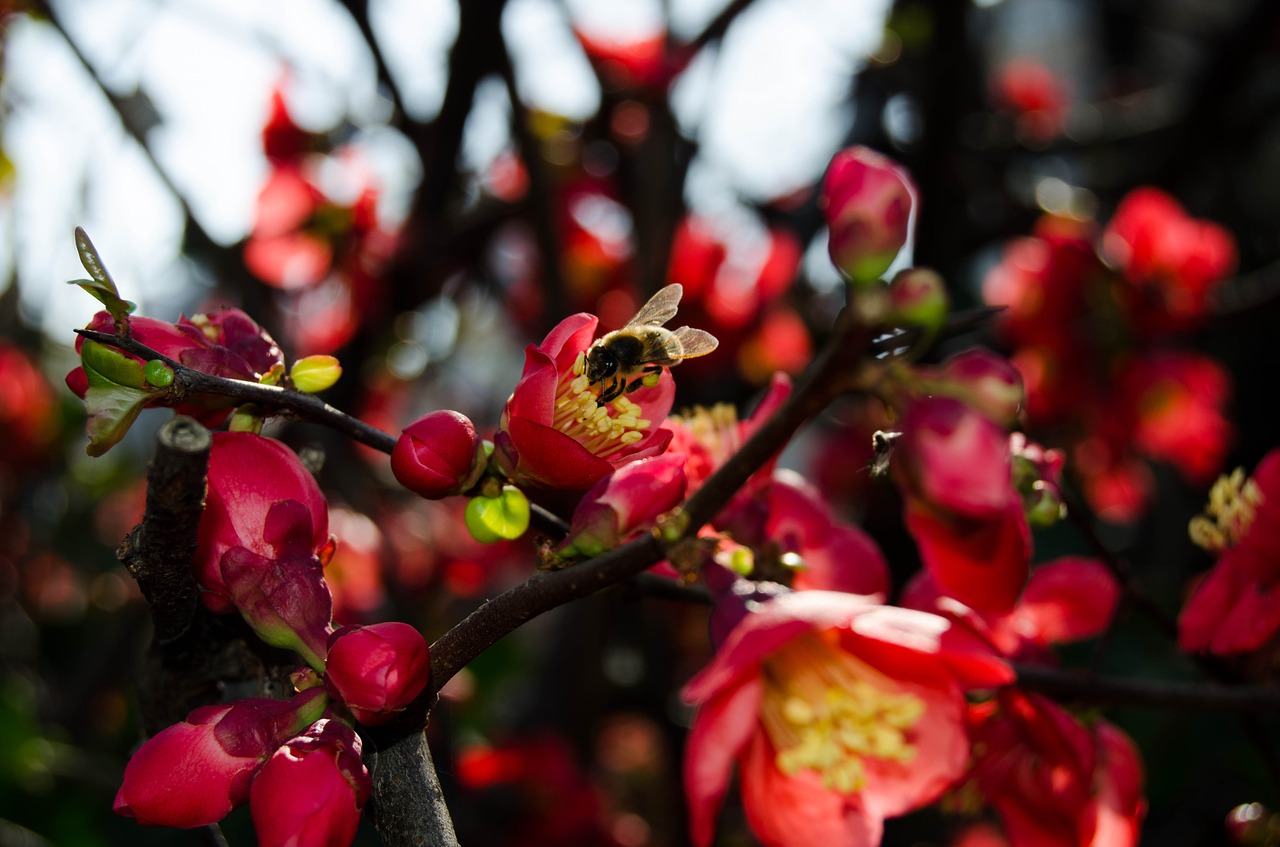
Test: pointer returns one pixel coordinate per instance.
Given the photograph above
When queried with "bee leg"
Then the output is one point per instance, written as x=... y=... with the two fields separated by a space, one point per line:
x=612 y=392
x=650 y=378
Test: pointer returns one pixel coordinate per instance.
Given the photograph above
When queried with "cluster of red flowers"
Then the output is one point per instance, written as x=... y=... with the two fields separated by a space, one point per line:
x=1094 y=319
x=837 y=709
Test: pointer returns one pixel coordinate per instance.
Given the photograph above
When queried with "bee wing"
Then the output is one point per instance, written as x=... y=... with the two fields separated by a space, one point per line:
x=693 y=342
x=660 y=308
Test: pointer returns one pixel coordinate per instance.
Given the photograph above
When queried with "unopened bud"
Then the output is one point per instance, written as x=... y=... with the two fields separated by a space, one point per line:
x=500 y=518
x=314 y=374
x=918 y=298
x=867 y=200
x=439 y=455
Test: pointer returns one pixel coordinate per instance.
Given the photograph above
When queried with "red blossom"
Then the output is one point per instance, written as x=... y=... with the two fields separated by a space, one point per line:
x=194 y=772
x=1036 y=95
x=377 y=670
x=227 y=343
x=248 y=475
x=626 y=503
x=27 y=425
x=1236 y=606
x=643 y=60
x=762 y=699
x=438 y=455
x=1052 y=781
x=953 y=466
x=311 y=791
x=553 y=432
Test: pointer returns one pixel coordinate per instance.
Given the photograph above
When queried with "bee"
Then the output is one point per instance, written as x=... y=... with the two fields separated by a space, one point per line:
x=626 y=359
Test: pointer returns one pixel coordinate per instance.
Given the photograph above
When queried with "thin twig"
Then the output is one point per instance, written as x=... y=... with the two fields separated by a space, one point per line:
x=1160 y=694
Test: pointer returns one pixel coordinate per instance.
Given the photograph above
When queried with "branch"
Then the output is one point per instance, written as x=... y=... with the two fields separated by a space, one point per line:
x=409 y=806
x=1161 y=694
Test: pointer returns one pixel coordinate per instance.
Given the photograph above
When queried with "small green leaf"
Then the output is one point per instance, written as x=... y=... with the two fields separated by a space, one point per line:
x=112 y=410
x=504 y=517
x=107 y=366
x=101 y=285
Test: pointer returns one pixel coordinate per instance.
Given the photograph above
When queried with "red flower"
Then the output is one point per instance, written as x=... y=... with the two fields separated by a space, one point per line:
x=1053 y=782
x=640 y=61
x=1065 y=600
x=1173 y=260
x=438 y=455
x=1036 y=95
x=27 y=425
x=867 y=200
x=194 y=772
x=377 y=670
x=554 y=434
x=1178 y=401
x=626 y=503
x=226 y=343
x=1236 y=606
x=839 y=712
x=954 y=469
x=248 y=475
x=312 y=789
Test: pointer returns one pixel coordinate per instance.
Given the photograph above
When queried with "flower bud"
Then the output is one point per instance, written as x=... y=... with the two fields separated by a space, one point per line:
x=314 y=374
x=626 y=502
x=986 y=382
x=918 y=298
x=377 y=670
x=311 y=791
x=438 y=455
x=867 y=201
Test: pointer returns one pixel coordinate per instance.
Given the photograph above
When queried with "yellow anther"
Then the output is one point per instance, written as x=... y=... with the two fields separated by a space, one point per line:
x=631 y=437
x=1233 y=504
x=580 y=364
x=643 y=423
x=627 y=419
x=579 y=384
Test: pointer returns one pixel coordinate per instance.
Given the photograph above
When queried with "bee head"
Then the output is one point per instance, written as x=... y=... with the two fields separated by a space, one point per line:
x=601 y=363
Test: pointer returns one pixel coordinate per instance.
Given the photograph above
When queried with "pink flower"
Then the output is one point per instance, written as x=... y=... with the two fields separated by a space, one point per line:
x=867 y=200
x=554 y=434
x=377 y=670
x=311 y=791
x=227 y=343
x=1053 y=782
x=438 y=455
x=954 y=469
x=812 y=667
x=1068 y=599
x=1236 y=607
x=194 y=772
x=248 y=475
x=626 y=503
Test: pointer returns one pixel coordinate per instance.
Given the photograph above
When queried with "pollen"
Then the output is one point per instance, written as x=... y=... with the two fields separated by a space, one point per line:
x=1233 y=504
x=603 y=428
x=829 y=712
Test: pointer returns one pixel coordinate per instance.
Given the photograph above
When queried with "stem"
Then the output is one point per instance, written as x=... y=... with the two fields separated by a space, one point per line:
x=1160 y=694
x=409 y=806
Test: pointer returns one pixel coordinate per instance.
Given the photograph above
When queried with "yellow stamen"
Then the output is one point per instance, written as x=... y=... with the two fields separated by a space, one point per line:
x=827 y=711
x=1233 y=504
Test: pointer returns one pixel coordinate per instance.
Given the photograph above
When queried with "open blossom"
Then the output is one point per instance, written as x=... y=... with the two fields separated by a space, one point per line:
x=194 y=772
x=953 y=466
x=1236 y=606
x=311 y=791
x=248 y=476
x=555 y=434
x=1052 y=781
x=838 y=711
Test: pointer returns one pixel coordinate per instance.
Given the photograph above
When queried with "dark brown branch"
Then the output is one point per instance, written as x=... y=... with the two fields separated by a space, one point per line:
x=409 y=807
x=1159 y=694
x=159 y=551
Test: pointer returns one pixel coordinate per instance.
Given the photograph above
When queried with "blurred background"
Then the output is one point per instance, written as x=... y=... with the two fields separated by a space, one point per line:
x=423 y=187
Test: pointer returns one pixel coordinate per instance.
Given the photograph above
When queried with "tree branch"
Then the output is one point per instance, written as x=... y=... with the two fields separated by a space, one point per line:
x=1159 y=694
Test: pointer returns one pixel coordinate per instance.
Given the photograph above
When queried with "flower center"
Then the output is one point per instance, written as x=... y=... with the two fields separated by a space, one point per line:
x=1233 y=504
x=827 y=711
x=715 y=428
x=580 y=415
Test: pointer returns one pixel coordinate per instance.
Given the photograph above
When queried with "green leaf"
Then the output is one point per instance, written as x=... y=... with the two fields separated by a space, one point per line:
x=101 y=285
x=106 y=366
x=504 y=517
x=112 y=410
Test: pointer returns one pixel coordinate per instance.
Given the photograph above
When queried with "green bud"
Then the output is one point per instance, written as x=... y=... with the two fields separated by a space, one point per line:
x=157 y=373
x=314 y=374
x=501 y=518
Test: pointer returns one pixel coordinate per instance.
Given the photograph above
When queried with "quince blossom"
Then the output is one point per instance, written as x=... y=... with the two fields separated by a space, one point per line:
x=555 y=434
x=838 y=711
